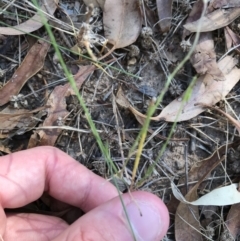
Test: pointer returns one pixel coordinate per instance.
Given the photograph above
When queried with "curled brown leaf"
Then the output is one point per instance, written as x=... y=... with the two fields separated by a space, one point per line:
x=203 y=58
x=214 y=20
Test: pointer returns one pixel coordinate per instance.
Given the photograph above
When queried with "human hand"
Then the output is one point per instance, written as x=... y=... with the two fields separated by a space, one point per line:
x=25 y=175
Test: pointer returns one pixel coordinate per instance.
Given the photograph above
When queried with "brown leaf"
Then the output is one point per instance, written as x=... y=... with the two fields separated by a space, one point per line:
x=214 y=4
x=12 y=118
x=233 y=221
x=214 y=20
x=33 y=23
x=206 y=90
x=194 y=15
x=199 y=170
x=121 y=99
x=57 y=110
x=203 y=58
x=122 y=22
x=187 y=226
x=231 y=39
x=123 y=102
x=31 y=64
x=164 y=8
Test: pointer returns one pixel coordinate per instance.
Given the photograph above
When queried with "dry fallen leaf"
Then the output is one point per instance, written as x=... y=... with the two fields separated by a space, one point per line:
x=233 y=221
x=198 y=170
x=214 y=4
x=214 y=20
x=164 y=8
x=194 y=15
x=222 y=196
x=187 y=226
x=203 y=58
x=121 y=99
x=57 y=110
x=206 y=90
x=231 y=39
x=34 y=23
x=15 y=119
x=123 y=102
x=122 y=22
x=31 y=64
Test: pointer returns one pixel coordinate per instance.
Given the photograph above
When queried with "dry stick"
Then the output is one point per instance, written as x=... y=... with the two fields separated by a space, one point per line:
x=119 y=135
x=235 y=122
x=79 y=136
x=118 y=131
x=186 y=165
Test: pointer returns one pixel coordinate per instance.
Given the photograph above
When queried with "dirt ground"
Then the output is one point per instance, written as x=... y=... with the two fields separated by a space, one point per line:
x=148 y=63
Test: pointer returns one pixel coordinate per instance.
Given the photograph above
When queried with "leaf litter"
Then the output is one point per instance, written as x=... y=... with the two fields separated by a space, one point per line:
x=34 y=23
x=32 y=63
x=187 y=226
x=57 y=108
x=215 y=81
x=164 y=14
x=116 y=19
x=214 y=20
x=206 y=90
x=232 y=39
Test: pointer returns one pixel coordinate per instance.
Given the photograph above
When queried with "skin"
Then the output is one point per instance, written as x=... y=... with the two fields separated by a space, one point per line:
x=25 y=175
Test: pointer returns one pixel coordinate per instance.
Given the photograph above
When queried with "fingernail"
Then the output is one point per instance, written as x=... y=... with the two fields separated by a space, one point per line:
x=145 y=220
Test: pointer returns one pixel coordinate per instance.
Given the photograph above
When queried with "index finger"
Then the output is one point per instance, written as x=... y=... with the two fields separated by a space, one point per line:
x=25 y=175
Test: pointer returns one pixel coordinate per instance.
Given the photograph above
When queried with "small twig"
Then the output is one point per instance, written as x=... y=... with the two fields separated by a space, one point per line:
x=235 y=122
x=186 y=164
x=118 y=130
x=31 y=88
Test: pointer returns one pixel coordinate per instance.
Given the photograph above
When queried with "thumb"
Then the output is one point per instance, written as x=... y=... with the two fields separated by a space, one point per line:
x=147 y=215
